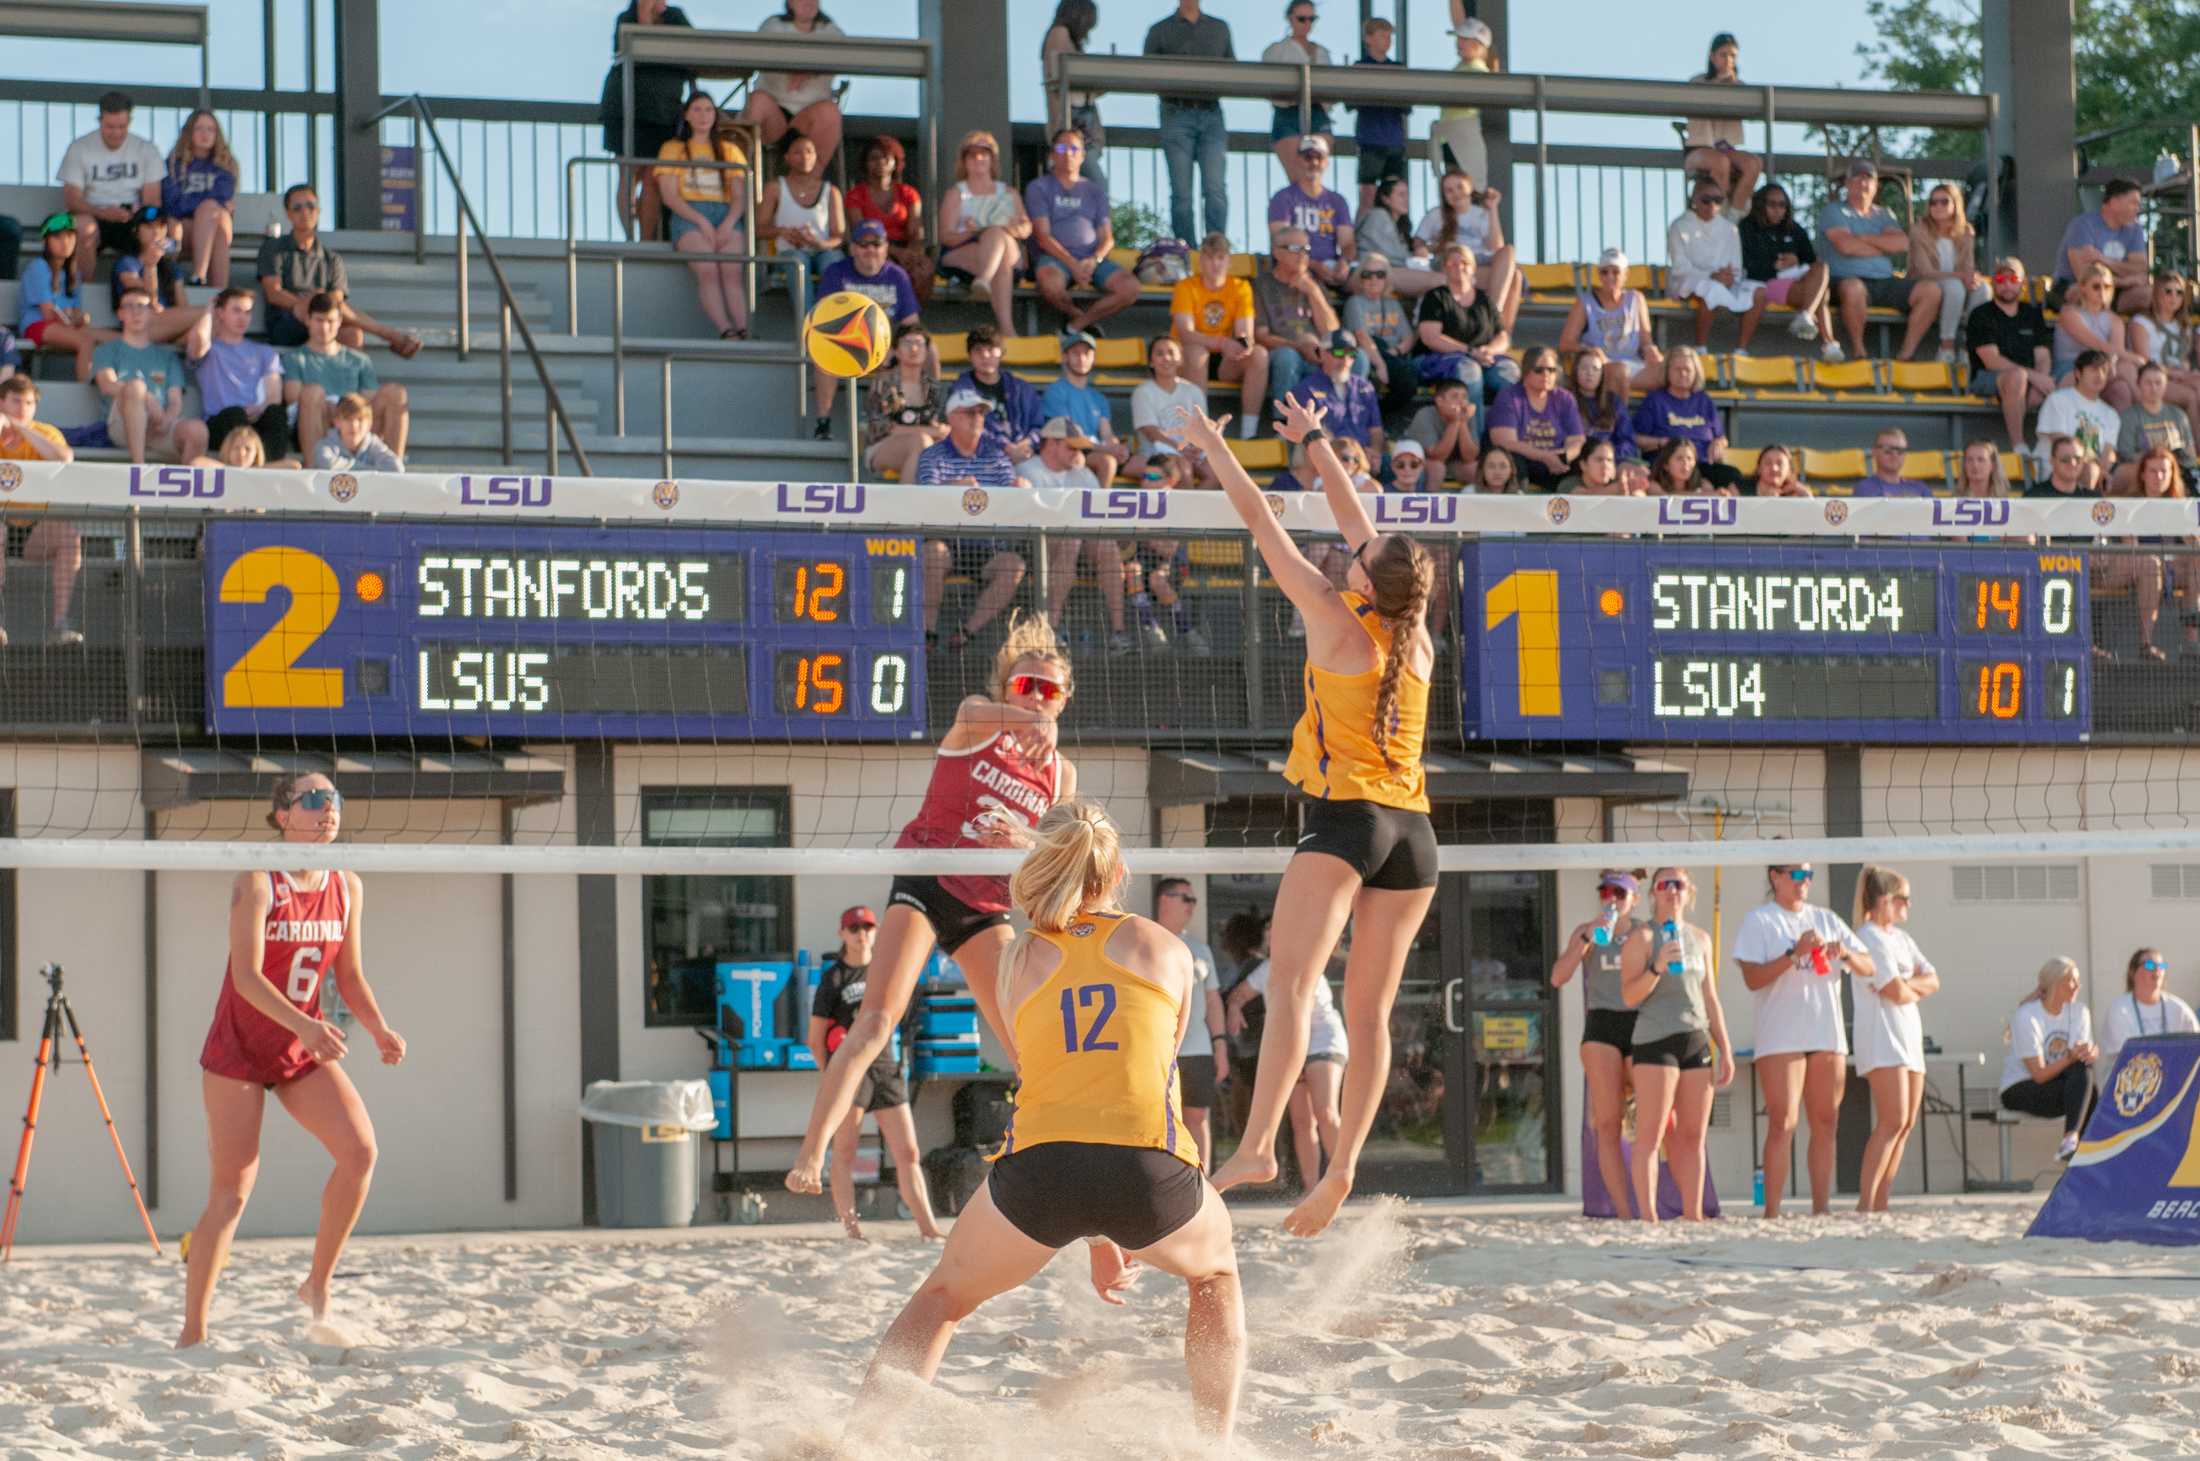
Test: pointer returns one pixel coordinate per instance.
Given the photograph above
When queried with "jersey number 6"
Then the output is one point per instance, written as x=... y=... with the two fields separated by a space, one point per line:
x=1086 y=995
x=305 y=974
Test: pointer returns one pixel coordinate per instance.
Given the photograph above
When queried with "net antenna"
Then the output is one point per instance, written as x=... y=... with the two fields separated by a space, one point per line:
x=1720 y=813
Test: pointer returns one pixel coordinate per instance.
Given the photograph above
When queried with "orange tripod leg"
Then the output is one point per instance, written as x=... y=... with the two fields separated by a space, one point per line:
x=112 y=1135
x=21 y=1178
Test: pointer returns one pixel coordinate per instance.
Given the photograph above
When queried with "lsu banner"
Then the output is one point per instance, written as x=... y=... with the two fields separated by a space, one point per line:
x=2136 y=1177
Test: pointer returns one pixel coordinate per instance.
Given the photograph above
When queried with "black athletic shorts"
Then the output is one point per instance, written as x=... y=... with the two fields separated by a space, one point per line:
x=1388 y=847
x=1195 y=1075
x=272 y=427
x=882 y=1088
x=1377 y=163
x=1610 y=1027
x=1689 y=1050
x=1060 y=1191
x=954 y=922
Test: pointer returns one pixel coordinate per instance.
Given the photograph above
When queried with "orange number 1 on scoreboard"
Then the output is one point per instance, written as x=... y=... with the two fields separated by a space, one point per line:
x=1530 y=598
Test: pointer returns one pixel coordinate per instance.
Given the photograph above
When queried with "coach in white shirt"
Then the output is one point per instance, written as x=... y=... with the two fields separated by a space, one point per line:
x=2146 y=1008
x=2051 y=1050
x=1890 y=1038
x=1801 y=1043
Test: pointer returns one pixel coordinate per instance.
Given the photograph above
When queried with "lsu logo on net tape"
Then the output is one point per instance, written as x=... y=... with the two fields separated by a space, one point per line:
x=666 y=495
x=1558 y=509
x=975 y=501
x=2104 y=513
x=1275 y=505
x=1837 y=512
x=11 y=476
x=343 y=486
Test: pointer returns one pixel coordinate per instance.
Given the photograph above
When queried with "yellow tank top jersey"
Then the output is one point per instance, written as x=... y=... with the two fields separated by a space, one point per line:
x=1096 y=1053
x=1333 y=751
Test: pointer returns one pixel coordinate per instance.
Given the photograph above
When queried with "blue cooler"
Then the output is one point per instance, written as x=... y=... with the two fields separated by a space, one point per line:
x=721 y=1102
x=752 y=994
x=947 y=1016
x=955 y=1055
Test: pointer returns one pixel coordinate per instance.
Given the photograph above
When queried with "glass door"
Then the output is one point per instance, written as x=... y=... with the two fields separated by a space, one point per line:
x=1504 y=1016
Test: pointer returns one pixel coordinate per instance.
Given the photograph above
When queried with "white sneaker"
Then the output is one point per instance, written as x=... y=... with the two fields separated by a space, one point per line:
x=2069 y=1147
x=1154 y=636
x=1832 y=352
x=1947 y=355
x=1803 y=327
x=1194 y=641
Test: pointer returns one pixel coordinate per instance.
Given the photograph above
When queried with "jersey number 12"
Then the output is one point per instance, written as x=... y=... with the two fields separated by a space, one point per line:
x=1084 y=996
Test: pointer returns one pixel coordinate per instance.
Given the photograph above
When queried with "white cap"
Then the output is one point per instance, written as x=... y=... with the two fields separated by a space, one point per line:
x=966 y=398
x=1406 y=446
x=1613 y=259
x=1476 y=30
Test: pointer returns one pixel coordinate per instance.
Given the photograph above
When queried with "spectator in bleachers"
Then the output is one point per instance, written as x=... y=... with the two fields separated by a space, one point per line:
x=1446 y=430
x=2079 y=411
x=983 y=227
x=2155 y=475
x=1890 y=452
x=1381 y=229
x=1859 y=241
x=1153 y=590
x=53 y=540
x=905 y=406
x=660 y=96
x=240 y=448
x=883 y=194
x=1212 y=317
x=800 y=100
x=2051 y=1053
x=2158 y=333
x=1354 y=411
x=1944 y=276
x=1061 y=463
x=1462 y=215
x=1458 y=334
x=709 y=209
x=1538 y=422
x=1155 y=402
x=2154 y=422
x=1677 y=471
x=1604 y=416
x=1307 y=204
x=1704 y=269
x=1289 y=304
x=2012 y=356
x=106 y=176
x=2088 y=323
x=868 y=272
x=1495 y=472
x=240 y=380
x=1614 y=322
x=1072 y=26
x=1071 y=237
x=1596 y=474
x=325 y=370
x=350 y=444
x=152 y=267
x=1456 y=139
x=1074 y=395
x=2069 y=472
x=142 y=381
x=1378 y=325
x=1379 y=131
x=1682 y=410
x=967 y=457
x=1714 y=143
x=295 y=266
x=1297 y=48
x=1775 y=475
x=198 y=193
x=801 y=212
x=1980 y=473
x=2111 y=234
x=1409 y=467
x=1778 y=254
x=1192 y=127
x=2147 y=1008
x=52 y=298
x=1016 y=416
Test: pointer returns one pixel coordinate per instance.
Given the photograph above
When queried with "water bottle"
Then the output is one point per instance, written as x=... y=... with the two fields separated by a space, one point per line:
x=1820 y=961
x=1757 y=1189
x=1601 y=935
x=1672 y=932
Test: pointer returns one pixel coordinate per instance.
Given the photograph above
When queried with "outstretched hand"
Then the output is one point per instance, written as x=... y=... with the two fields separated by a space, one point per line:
x=1200 y=429
x=1299 y=419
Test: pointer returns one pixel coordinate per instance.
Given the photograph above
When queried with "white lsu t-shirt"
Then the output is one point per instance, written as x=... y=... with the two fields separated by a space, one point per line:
x=1801 y=1010
x=1325 y=1027
x=1155 y=407
x=1035 y=473
x=2037 y=1035
x=111 y=179
x=2127 y=1017
x=1197 y=1040
x=1887 y=1034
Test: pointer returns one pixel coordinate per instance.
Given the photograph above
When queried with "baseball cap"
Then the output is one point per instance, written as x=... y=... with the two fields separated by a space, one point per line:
x=1342 y=343
x=867 y=229
x=1625 y=882
x=1061 y=428
x=1863 y=167
x=1407 y=447
x=56 y=223
x=858 y=917
x=1613 y=259
x=150 y=213
x=1079 y=337
x=1476 y=30
x=1313 y=142
x=967 y=399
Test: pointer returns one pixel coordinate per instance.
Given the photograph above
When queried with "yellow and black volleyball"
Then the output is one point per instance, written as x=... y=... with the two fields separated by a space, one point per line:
x=847 y=335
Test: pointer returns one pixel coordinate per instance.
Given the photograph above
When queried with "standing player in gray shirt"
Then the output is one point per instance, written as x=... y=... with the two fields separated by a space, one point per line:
x=1608 y=1023
x=1681 y=1047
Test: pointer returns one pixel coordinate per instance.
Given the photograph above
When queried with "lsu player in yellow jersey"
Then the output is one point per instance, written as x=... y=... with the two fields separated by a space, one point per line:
x=1366 y=852
x=1095 y=1001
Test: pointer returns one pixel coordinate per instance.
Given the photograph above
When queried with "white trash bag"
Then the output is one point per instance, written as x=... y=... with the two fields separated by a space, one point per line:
x=685 y=1104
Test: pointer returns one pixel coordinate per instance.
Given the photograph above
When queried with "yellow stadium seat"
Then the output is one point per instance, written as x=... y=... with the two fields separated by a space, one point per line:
x=2016 y=467
x=1244 y=266
x=1849 y=378
x=952 y=347
x=1847 y=465
x=1917 y=377
x=1030 y=350
x=1743 y=459
x=1927 y=466
x=1262 y=454
x=1762 y=372
x=1127 y=352
x=1123 y=258
x=1548 y=279
x=1216 y=552
x=1647 y=277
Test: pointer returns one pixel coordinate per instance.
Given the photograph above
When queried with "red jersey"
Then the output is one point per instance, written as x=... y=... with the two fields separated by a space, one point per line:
x=304 y=933
x=995 y=778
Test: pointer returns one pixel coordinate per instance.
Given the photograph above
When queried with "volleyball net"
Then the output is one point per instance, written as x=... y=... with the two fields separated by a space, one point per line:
x=527 y=673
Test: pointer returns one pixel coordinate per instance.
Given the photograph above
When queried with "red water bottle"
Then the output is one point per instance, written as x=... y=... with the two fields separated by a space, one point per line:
x=1820 y=963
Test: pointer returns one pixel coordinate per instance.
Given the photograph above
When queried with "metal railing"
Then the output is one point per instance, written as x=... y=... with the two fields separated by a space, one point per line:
x=424 y=124
x=138 y=24
x=572 y=214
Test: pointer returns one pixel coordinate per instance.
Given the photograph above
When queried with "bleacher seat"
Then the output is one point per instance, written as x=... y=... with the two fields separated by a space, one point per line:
x=1845 y=466
x=1023 y=352
x=1931 y=380
x=1743 y=459
x=1927 y=466
x=1850 y=380
x=1262 y=454
x=1550 y=283
x=952 y=347
x=1760 y=372
x=2016 y=467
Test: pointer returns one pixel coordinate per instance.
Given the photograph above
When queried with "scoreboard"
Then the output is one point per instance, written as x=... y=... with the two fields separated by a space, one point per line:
x=342 y=628
x=1647 y=642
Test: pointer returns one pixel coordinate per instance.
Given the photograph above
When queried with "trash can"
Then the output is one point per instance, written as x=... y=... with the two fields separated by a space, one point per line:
x=644 y=1135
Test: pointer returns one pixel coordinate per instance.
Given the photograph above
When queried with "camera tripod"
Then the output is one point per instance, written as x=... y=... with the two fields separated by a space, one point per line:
x=49 y=1054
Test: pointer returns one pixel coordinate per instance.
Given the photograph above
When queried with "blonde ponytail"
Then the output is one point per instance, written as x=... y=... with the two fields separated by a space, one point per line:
x=1075 y=867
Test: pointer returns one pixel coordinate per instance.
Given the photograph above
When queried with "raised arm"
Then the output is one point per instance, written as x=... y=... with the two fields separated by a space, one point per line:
x=1298 y=424
x=1305 y=585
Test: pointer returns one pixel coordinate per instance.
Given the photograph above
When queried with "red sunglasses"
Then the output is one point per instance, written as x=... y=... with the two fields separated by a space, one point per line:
x=1039 y=685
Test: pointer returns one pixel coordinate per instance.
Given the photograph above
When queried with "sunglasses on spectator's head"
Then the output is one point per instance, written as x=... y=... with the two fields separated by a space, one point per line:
x=1038 y=686
x=319 y=799
x=2155 y=966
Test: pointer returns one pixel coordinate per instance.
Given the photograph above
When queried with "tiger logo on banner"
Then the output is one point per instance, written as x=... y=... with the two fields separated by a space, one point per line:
x=2136 y=1174
x=2138 y=1083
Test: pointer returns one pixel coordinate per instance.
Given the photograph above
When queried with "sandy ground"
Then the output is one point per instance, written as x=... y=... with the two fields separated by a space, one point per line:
x=1438 y=1331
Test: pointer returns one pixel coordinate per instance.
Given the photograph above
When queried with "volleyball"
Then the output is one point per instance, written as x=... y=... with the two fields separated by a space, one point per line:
x=847 y=335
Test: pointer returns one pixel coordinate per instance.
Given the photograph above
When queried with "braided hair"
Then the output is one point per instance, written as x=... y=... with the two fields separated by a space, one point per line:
x=1401 y=575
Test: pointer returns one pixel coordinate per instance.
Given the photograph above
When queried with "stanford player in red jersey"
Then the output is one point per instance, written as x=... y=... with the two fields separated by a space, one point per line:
x=287 y=933
x=997 y=772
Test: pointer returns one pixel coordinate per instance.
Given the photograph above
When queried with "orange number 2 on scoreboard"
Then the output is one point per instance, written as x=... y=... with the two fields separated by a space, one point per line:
x=266 y=676
x=1529 y=597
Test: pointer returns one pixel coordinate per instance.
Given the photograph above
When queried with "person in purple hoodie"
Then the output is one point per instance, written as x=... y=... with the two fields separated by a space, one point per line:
x=1682 y=410
x=198 y=194
x=1890 y=449
x=1537 y=422
x=1017 y=416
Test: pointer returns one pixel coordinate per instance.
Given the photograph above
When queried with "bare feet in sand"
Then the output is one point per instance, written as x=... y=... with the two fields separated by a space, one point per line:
x=315 y=1299
x=853 y=1227
x=192 y=1335
x=1318 y=1208
x=1246 y=1167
